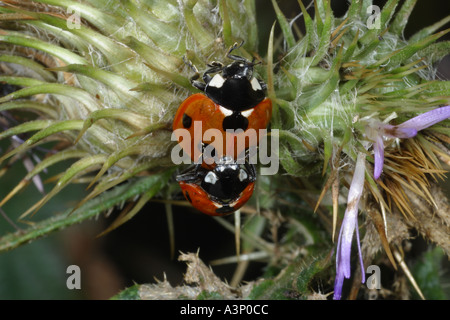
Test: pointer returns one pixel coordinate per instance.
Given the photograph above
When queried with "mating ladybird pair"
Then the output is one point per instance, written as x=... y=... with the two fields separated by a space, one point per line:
x=233 y=102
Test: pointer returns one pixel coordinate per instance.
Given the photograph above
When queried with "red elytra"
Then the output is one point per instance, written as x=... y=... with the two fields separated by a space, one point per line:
x=203 y=202
x=210 y=115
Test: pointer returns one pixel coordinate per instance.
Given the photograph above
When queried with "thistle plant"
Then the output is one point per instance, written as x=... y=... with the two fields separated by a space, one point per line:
x=361 y=118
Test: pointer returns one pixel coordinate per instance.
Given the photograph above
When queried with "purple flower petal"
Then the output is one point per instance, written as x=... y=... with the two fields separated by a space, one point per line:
x=391 y=131
x=427 y=119
x=349 y=225
x=408 y=129
x=376 y=131
x=361 y=263
x=378 y=149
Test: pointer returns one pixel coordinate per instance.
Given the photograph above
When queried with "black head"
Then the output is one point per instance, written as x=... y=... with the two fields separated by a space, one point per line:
x=234 y=87
x=228 y=179
x=238 y=70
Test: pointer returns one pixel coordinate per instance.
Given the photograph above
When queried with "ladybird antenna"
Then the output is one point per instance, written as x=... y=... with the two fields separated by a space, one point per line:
x=189 y=64
x=239 y=58
x=253 y=63
x=235 y=46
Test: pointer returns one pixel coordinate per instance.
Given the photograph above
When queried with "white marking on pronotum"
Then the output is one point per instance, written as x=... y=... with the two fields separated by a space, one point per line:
x=255 y=84
x=217 y=81
x=242 y=175
x=211 y=178
x=247 y=113
x=225 y=111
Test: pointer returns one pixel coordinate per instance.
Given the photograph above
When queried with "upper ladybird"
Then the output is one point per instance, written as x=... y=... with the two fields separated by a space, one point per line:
x=232 y=86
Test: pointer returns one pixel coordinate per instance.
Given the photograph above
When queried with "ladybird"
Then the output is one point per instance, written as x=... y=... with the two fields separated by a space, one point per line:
x=226 y=119
x=233 y=86
x=198 y=110
x=233 y=102
x=219 y=191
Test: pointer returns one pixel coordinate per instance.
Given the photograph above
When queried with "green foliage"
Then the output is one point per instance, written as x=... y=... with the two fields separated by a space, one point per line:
x=428 y=273
x=294 y=281
x=130 y=293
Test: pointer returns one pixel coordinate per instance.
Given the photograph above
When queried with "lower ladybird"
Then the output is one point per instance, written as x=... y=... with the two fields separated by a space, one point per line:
x=221 y=190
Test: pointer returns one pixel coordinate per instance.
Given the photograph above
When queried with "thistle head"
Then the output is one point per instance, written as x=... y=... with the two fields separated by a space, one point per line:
x=106 y=80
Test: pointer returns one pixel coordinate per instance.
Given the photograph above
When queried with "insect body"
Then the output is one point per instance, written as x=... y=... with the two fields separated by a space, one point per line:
x=233 y=86
x=198 y=112
x=219 y=191
x=233 y=104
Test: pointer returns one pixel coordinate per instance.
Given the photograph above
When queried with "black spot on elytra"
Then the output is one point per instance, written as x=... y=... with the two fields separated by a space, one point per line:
x=186 y=194
x=211 y=150
x=187 y=121
x=235 y=121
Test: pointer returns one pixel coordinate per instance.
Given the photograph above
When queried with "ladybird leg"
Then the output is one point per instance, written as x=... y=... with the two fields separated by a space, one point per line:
x=253 y=63
x=214 y=67
x=235 y=57
x=262 y=84
x=215 y=64
x=248 y=154
x=251 y=170
x=198 y=84
x=191 y=174
x=209 y=154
